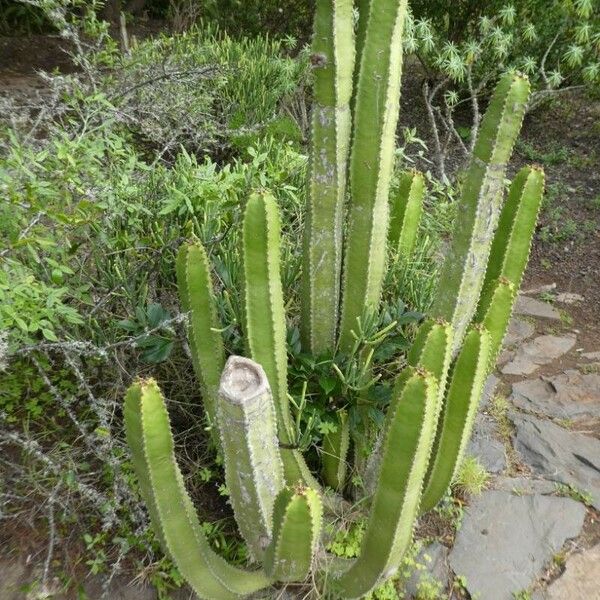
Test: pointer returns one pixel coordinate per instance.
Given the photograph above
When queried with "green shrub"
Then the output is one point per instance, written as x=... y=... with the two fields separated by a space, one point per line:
x=555 y=43
x=203 y=89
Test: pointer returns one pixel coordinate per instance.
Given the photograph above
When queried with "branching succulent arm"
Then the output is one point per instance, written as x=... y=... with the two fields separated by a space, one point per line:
x=333 y=64
x=463 y=272
x=276 y=499
x=377 y=105
x=406 y=208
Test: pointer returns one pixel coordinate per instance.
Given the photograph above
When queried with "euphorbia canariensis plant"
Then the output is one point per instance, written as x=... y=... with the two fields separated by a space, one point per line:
x=352 y=223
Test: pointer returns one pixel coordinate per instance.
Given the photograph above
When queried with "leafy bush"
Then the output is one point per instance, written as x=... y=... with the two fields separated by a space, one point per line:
x=463 y=49
x=555 y=43
x=203 y=89
x=255 y=17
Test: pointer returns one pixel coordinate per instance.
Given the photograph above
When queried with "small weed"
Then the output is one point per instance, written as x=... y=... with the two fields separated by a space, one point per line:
x=565 y=318
x=346 y=541
x=460 y=584
x=553 y=156
x=559 y=559
x=451 y=511
x=547 y=297
x=569 y=491
x=472 y=477
x=522 y=595
x=558 y=229
x=429 y=588
x=498 y=409
x=595 y=202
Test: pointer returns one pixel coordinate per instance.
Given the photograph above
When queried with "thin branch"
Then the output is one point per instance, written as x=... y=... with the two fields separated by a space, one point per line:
x=166 y=75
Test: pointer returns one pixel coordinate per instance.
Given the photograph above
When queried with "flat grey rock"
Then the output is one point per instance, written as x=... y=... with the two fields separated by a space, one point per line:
x=559 y=455
x=518 y=331
x=541 y=289
x=505 y=356
x=506 y=540
x=581 y=579
x=531 y=307
x=520 y=486
x=591 y=355
x=539 y=351
x=570 y=395
x=432 y=568
x=569 y=298
x=486 y=446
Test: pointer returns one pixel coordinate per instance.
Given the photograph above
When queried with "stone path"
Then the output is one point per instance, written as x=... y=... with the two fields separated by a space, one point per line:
x=545 y=493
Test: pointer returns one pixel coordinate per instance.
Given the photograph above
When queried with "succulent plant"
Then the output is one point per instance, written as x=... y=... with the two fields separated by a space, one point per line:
x=278 y=503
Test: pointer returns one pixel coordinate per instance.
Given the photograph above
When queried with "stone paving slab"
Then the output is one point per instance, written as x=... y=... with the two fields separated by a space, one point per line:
x=558 y=454
x=540 y=351
x=569 y=395
x=433 y=559
x=524 y=485
x=506 y=540
x=580 y=581
x=518 y=331
x=531 y=307
x=486 y=446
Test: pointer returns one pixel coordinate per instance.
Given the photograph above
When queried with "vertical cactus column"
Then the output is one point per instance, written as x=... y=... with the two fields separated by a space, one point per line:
x=333 y=61
x=458 y=414
x=407 y=439
x=265 y=319
x=509 y=254
x=405 y=214
x=363 y=7
x=297 y=517
x=464 y=269
x=253 y=468
x=512 y=241
x=197 y=298
x=171 y=510
x=335 y=453
x=371 y=162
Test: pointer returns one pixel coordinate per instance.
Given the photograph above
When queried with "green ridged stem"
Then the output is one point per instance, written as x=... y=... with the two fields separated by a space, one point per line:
x=458 y=414
x=495 y=309
x=516 y=226
x=409 y=430
x=371 y=163
x=206 y=345
x=171 y=509
x=430 y=351
x=297 y=518
x=265 y=319
x=363 y=7
x=463 y=272
x=253 y=468
x=332 y=52
x=405 y=214
x=334 y=457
